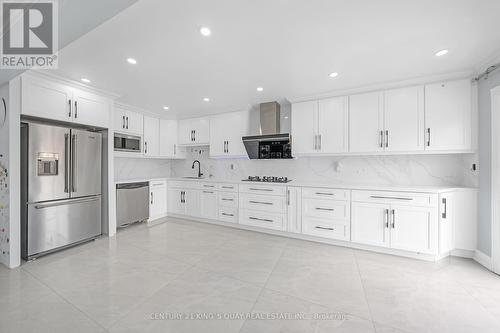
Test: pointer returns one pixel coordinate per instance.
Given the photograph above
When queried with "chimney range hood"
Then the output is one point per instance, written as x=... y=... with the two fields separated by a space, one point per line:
x=271 y=144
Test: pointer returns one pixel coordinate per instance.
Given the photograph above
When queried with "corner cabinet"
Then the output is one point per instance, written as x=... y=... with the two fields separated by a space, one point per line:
x=226 y=131
x=50 y=99
x=320 y=127
x=194 y=131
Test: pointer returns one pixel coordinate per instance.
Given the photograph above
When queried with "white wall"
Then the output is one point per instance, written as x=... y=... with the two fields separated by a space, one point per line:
x=438 y=170
x=138 y=168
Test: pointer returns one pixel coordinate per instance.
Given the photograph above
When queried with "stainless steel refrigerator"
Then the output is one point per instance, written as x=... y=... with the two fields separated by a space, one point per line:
x=61 y=187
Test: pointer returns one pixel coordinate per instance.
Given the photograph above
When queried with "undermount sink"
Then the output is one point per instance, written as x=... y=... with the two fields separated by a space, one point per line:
x=192 y=177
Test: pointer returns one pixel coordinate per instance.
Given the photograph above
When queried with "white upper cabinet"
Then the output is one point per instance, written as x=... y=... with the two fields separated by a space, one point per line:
x=366 y=122
x=304 y=127
x=226 y=132
x=168 y=139
x=91 y=109
x=194 y=131
x=448 y=115
x=333 y=122
x=44 y=98
x=151 y=136
x=129 y=122
x=404 y=119
x=320 y=127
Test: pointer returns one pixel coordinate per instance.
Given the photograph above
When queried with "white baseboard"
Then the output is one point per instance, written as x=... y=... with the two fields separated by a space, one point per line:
x=482 y=259
x=463 y=253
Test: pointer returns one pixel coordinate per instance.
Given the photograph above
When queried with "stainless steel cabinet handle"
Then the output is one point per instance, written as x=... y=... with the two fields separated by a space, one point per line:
x=226 y=199
x=392 y=198
x=211 y=186
x=65 y=202
x=325 y=209
x=151 y=197
x=428 y=137
x=381 y=143
x=444 y=213
x=257 y=219
x=261 y=202
x=227 y=147
x=192 y=139
x=229 y=187
x=69 y=113
x=73 y=163
x=66 y=163
x=386 y=218
x=194 y=135
x=127 y=122
x=386 y=138
x=123 y=121
x=145 y=147
x=393 y=218
x=288 y=197
x=319 y=142
x=208 y=192
x=323 y=228
x=76 y=109
x=315 y=142
x=226 y=214
x=261 y=189
x=324 y=193
x=175 y=149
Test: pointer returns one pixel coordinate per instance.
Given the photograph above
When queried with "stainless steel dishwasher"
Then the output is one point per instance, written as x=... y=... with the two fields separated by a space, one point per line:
x=132 y=203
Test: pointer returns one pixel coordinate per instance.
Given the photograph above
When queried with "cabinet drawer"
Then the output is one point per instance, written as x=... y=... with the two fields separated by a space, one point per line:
x=183 y=184
x=400 y=198
x=325 y=193
x=158 y=183
x=228 y=187
x=326 y=209
x=266 y=203
x=228 y=199
x=326 y=229
x=263 y=189
x=209 y=186
x=262 y=219
x=228 y=214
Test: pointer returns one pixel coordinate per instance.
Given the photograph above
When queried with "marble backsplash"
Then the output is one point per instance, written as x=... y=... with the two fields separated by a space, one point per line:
x=137 y=168
x=424 y=170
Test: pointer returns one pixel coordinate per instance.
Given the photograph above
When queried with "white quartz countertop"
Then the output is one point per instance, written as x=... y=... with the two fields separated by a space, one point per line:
x=305 y=183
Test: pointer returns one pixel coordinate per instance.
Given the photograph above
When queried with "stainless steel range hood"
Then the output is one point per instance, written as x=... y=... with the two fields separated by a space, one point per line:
x=270 y=144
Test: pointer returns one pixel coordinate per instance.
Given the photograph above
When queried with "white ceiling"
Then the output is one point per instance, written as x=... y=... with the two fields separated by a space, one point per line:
x=77 y=17
x=286 y=46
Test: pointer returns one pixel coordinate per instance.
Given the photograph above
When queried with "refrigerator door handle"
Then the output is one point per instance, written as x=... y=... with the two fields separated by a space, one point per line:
x=66 y=164
x=73 y=163
x=65 y=202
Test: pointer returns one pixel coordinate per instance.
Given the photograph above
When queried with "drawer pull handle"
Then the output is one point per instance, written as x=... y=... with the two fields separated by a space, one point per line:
x=393 y=198
x=208 y=186
x=229 y=187
x=226 y=214
x=226 y=199
x=261 y=202
x=257 y=219
x=323 y=228
x=261 y=189
x=208 y=192
x=324 y=193
x=327 y=209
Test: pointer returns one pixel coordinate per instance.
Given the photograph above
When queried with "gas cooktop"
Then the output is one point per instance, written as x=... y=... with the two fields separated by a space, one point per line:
x=267 y=179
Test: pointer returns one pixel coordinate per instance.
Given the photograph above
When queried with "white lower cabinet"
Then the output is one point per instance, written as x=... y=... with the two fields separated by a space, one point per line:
x=395 y=222
x=228 y=202
x=184 y=201
x=263 y=206
x=157 y=199
x=294 y=209
x=208 y=204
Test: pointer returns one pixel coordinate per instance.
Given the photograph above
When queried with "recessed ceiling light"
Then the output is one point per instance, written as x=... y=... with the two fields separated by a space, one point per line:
x=260 y=89
x=441 y=53
x=132 y=61
x=165 y=108
x=333 y=74
x=85 y=80
x=206 y=99
x=205 y=31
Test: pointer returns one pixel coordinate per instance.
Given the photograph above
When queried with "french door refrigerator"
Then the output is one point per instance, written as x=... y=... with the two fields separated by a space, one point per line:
x=61 y=187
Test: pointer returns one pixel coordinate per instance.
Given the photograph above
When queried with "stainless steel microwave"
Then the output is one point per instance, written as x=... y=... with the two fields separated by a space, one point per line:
x=128 y=143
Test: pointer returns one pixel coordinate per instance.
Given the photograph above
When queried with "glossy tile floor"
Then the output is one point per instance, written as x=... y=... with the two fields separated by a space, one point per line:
x=143 y=279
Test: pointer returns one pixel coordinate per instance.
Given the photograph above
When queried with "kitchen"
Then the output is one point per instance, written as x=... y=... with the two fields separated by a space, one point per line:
x=185 y=170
